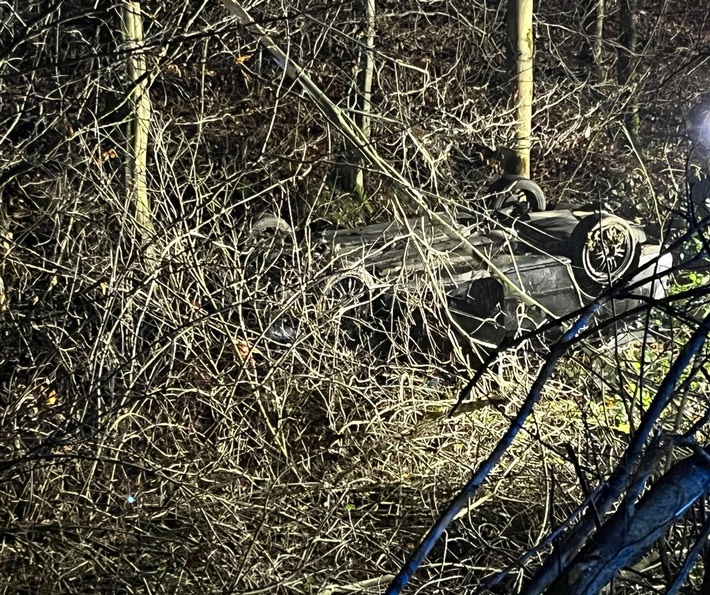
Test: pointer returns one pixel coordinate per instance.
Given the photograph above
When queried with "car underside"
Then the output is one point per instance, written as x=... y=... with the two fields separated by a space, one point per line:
x=558 y=260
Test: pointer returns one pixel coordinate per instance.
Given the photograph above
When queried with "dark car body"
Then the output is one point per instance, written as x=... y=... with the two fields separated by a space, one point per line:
x=561 y=258
x=441 y=277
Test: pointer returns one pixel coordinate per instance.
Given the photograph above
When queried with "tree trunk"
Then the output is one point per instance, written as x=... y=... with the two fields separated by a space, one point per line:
x=352 y=173
x=627 y=63
x=139 y=121
x=631 y=532
x=593 y=27
x=520 y=54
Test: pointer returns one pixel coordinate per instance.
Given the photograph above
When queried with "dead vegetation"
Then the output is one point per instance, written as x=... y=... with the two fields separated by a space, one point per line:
x=182 y=412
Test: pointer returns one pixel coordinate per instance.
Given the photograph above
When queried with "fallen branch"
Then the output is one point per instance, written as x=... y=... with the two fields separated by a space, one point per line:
x=559 y=561
x=357 y=587
x=629 y=534
x=481 y=474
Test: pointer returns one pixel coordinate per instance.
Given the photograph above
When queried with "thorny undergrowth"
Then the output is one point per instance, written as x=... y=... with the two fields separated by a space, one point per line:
x=191 y=413
x=196 y=413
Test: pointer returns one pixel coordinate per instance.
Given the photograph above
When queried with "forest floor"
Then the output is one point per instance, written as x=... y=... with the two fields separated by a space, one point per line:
x=158 y=434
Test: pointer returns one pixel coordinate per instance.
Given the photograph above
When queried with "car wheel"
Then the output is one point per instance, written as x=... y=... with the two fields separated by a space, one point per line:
x=345 y=300
x=514 y=191
x=602 y=248
x=268 y=253
x=270 y=224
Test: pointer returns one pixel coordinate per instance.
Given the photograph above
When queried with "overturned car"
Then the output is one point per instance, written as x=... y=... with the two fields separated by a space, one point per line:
x=557 y=259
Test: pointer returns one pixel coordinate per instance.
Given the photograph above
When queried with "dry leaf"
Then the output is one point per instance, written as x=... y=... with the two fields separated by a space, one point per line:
x=109 y=154
x=173 y=69
x=244 y=352
x=51 y=398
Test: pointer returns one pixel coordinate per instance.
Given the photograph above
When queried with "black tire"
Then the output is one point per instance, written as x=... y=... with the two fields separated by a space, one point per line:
x=602 y=248
x=270 y=224
x=510 y=191
x=346 y=299
x=268 y=252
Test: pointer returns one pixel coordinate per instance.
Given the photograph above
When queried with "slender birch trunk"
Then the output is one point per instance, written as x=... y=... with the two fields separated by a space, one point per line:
x=521 y=45
x=139 y=121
